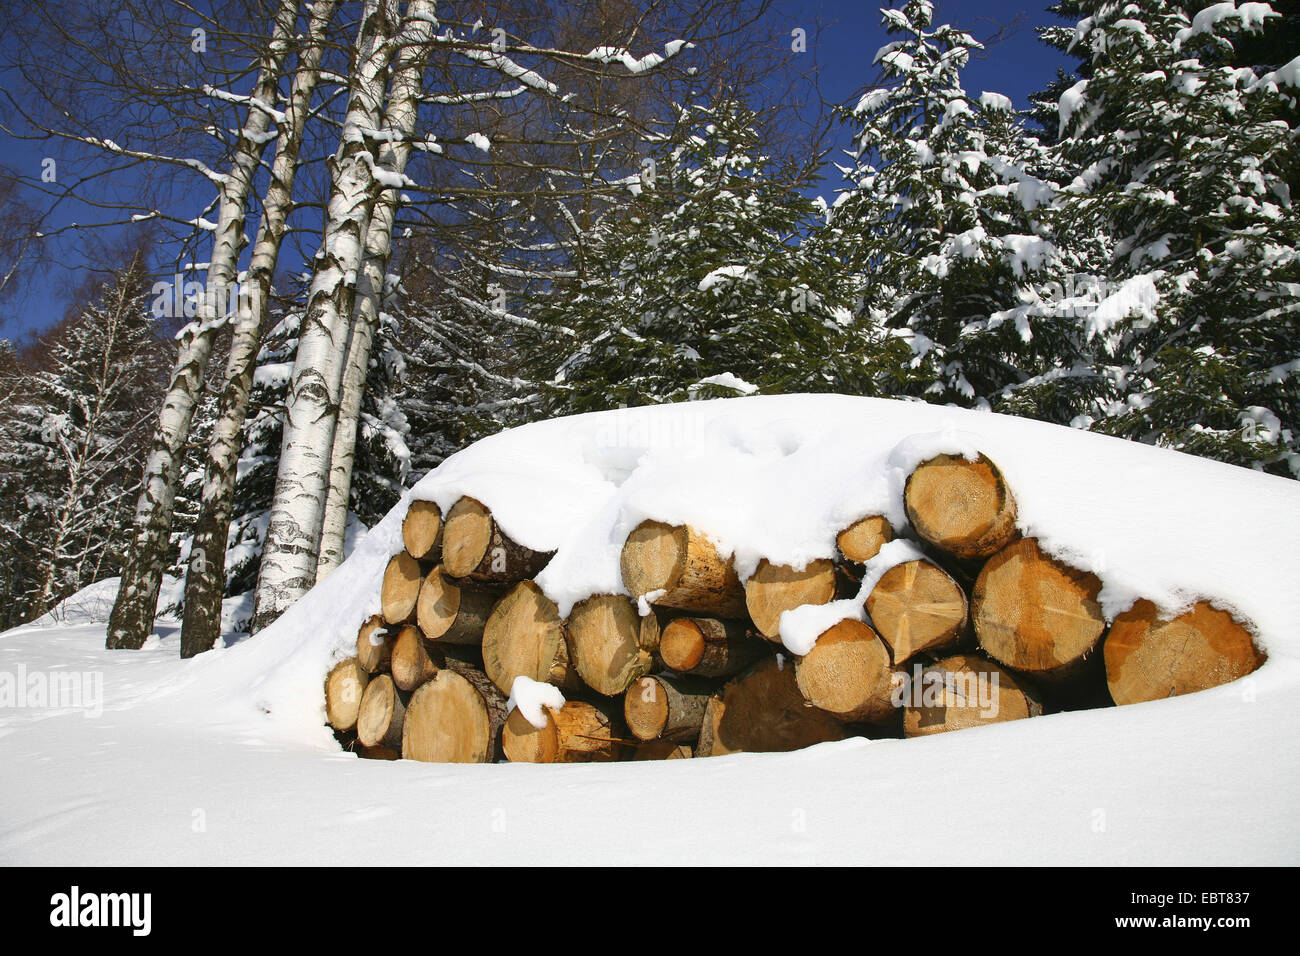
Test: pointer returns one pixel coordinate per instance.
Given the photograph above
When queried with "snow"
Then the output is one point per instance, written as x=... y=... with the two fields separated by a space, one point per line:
x=529 y=697
x=1250 y=16
x=726 y=380
x=1135 y=296
x=93 y=603
x=1286 y=75
x=996 y=101
x=723 y=275
x=479 y=141
x=224 y=759
x=614 y=54
x=1070 y=102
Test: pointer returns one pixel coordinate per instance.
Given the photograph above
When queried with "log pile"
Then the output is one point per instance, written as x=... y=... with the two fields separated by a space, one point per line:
x=984 y=626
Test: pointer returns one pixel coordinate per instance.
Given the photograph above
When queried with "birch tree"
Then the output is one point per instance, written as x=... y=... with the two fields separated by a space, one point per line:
x=293 y=537
x=132 y=616
x=206 y=577
x=399 y=127
x=314 y=427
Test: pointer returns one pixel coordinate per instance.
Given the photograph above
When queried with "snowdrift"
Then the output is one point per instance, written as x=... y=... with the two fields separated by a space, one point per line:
x=774 y=478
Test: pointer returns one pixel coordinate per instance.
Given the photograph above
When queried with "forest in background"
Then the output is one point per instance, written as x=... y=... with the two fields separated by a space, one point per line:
x=418 y=228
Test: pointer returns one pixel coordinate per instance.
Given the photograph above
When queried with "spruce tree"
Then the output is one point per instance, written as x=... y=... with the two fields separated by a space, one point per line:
x=700 y=288
x=946 y=220
x=1181 y=164
x=68 y=435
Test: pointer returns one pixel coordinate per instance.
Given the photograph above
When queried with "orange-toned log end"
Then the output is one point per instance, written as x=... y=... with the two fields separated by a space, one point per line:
x=682 y=644
x=708 y=647
x=400 y=589
x=608 y=644
x=578 y=732
x=1148 y=658
x=451 y=719
x=682 y=568
x=422 y=530
x=917 y=606
x=862 y=540
x=848 y=674
x=1036 y=614
x=961 y=506
x=965 y=691
x=774 y=589
x=374 y=645
x=524 y=635
x=383 y=710
x=344 y=686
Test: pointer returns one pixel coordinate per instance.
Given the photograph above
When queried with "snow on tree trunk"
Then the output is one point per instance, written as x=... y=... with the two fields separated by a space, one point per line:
x=206 y=580
x=133 y=612
x=403 y=106
x=289 y=557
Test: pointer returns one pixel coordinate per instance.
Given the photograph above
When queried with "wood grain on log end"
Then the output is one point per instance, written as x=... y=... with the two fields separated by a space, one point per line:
x=400 y=589
x=774 y=589
x=578 y=732
x=1034 y=613
x=666 y=706
x=344 y=686
x=962 y=691
x=411 y=663
x=422 y=530
x=917 y=606
x=848 y=674
x=683 y=568
x=605 y=636
x=1150 y=658
x=450 y=720
x=862 y=540
x=383 y=709
x=525 y=636
x=963 y=507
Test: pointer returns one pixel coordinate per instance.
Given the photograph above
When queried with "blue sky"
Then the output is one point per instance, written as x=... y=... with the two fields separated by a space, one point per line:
x=841 y=52
x=1016 y=64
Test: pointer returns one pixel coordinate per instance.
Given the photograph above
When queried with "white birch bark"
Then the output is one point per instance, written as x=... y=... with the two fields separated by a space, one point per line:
x=205 y=580
x=132 y=618
x=289 y=556
x=399 y=127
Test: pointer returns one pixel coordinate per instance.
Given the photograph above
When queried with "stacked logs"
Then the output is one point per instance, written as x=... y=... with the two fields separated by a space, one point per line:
x=982 y=626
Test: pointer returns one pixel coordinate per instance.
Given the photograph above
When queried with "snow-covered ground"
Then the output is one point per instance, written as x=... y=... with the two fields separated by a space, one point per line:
x=225 y=759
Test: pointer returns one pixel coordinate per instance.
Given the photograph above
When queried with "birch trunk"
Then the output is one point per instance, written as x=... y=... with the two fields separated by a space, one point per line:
x=399 y=125
x=132 y=618
x=205 y=582
x=289 y=557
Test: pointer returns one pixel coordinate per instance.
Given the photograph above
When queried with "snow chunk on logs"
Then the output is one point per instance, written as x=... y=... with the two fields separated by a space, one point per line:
x=529 y=697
